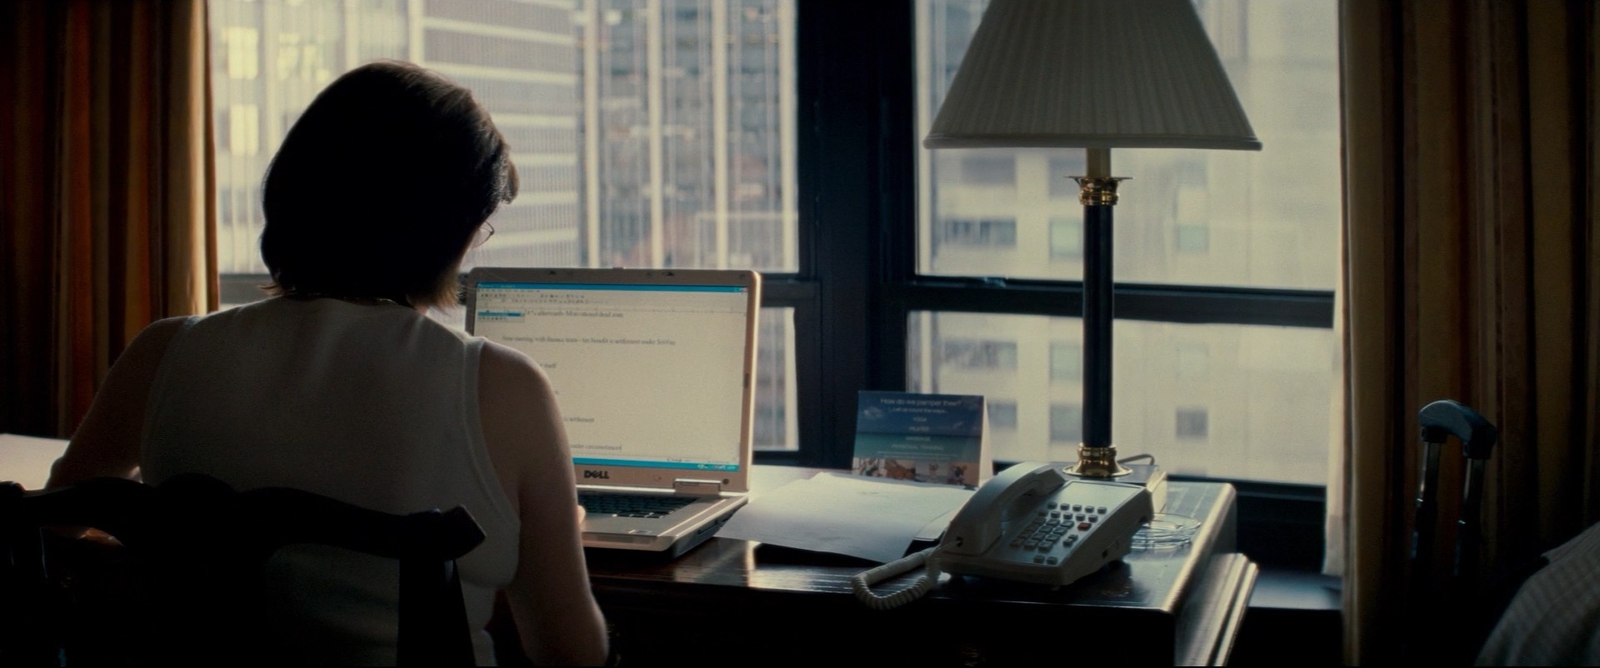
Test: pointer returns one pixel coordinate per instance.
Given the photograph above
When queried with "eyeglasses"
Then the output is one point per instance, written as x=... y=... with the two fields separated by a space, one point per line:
x=484 y=232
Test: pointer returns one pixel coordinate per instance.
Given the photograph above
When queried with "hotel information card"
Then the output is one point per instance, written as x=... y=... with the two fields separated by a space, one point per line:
x=938 y=438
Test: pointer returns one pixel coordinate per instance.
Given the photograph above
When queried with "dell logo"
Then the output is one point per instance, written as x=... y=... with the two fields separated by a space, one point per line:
x=603 y=475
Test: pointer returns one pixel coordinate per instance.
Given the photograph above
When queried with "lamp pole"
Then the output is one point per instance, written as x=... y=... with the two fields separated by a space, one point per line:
x=1097 y=455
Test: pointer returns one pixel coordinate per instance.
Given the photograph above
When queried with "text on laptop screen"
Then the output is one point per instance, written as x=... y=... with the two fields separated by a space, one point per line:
x=645 y=375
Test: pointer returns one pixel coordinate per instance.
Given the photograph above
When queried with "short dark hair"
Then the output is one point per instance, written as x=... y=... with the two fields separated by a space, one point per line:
x=380 y=186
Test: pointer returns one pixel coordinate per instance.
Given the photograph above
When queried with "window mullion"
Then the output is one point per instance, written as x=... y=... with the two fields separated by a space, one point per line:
x=856 y=168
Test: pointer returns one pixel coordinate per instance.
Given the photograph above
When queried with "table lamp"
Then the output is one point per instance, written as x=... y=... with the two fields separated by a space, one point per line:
x=1098 y=75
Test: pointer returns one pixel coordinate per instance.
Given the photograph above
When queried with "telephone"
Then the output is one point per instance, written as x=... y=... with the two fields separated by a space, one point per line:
x=1030 y=523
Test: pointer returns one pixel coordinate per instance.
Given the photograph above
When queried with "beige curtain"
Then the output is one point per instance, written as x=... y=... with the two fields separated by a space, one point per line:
x=1472 y=273
x=105 y=192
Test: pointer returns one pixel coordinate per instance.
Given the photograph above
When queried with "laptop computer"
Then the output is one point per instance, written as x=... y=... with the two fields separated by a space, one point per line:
x=654 y=373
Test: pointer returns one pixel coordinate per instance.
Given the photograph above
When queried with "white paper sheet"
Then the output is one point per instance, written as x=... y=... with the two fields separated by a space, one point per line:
x=870 y=518
x=26 y=460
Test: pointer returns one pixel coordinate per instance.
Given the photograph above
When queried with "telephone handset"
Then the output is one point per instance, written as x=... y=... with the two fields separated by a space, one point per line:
x=1030 y=523
x=1005 y=498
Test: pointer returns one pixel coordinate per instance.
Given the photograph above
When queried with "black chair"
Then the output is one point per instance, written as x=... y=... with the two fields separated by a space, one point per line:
x=1446 y=608
x=194 y=550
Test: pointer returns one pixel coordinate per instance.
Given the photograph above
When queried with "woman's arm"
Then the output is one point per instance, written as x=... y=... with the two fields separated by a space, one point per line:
x=554 y=610
x=107 y=442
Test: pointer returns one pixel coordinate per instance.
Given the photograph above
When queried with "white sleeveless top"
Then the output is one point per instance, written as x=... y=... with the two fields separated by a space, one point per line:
x=374 y=405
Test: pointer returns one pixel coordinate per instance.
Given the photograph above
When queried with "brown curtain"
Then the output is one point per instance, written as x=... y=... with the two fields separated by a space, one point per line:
x=1472 y=273
x=105 y=192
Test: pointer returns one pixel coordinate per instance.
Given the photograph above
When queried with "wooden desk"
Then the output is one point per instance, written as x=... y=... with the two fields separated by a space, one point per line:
x=734 y=601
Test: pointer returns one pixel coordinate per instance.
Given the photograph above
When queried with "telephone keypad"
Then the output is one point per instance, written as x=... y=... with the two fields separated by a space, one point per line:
x=1043 y=541
x=1052 y=533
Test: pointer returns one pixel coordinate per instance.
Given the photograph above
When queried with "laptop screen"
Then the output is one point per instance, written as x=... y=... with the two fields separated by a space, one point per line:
x=645 y=375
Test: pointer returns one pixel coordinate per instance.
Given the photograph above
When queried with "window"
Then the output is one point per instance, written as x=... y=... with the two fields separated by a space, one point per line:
x=980 y=355
x=737 y=133
x=244 y=130
x=1062 y=169
x=1235 y=313
x=990 y=233
x=1002 y=415
x=1192 y=423
x=1066 y=238
x=989 y=171
x=1223 y=260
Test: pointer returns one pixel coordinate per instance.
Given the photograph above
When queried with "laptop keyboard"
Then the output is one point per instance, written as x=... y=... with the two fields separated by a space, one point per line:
x=627 y=505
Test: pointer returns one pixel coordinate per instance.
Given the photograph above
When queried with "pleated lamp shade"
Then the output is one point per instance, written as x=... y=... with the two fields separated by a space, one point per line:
x=1091 y=74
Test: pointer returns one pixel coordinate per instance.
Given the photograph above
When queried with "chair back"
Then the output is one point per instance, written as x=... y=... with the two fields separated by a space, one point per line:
x=1442 y=605
x=196 y=549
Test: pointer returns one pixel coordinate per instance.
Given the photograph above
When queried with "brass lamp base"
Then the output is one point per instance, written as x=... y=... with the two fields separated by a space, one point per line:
x=1098 y=463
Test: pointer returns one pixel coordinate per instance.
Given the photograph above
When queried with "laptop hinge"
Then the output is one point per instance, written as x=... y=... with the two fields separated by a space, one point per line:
x=696 y=487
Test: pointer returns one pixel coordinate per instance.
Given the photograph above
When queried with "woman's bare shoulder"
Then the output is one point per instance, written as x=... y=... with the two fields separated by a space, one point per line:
x=517 y=407
x=159 y=333
x=106 y=443
x=144 y=354
x=502 y=354
x=504 y=371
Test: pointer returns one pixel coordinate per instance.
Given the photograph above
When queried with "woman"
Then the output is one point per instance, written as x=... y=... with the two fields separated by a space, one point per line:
x=340 y=385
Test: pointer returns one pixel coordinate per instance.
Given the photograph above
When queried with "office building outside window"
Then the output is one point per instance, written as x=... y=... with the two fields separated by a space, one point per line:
x=646 y=133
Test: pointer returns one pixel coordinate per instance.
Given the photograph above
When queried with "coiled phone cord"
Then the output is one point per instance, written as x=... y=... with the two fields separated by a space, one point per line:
x=862 y=582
